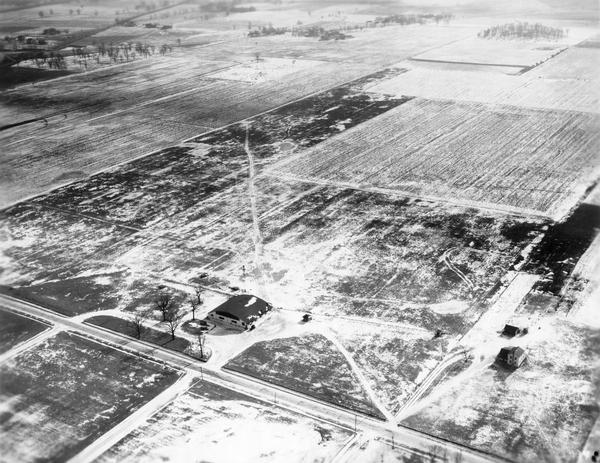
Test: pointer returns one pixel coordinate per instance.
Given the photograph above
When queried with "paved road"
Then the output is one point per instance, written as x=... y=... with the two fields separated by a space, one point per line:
x=408 y=439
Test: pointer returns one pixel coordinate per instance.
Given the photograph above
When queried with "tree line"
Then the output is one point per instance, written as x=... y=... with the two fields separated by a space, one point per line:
x=523 y=30
x=171 y=315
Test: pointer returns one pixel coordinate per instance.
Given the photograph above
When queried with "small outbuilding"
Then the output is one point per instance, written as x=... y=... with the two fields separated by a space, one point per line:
x=511 y=331
x=240 y=312
x=512 y=356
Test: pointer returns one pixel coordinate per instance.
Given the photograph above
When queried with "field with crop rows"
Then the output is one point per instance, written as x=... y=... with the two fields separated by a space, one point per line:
x=466 y=152
x=39 y=156
x=92 y=143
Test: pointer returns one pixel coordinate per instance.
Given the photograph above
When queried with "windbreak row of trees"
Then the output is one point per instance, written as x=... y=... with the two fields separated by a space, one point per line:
x=407 y=19
x=118 y=53
x=523 y=30
x=339 y=32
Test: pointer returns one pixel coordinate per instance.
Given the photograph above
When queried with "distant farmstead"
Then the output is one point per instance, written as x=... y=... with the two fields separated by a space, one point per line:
x=511 y=330
x=240 y=312
x=512 y=356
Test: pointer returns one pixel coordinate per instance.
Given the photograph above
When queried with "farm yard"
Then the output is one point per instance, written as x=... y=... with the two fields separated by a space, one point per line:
x=543 y=411
x=110 y=385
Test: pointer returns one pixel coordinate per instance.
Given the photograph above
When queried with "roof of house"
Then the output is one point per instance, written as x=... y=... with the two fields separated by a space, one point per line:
x=243 y=307
x=511 y=329
x=516 y=351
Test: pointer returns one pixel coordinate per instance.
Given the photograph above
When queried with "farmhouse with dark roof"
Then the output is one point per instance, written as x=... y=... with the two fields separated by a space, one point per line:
x=511 y=330
x=512 y=356
x=240 y=312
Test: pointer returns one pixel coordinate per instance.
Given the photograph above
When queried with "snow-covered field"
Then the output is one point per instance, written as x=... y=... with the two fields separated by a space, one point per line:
x=210 y=423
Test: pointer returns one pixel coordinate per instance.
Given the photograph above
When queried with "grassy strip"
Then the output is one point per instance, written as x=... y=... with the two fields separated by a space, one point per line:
x=149 y=335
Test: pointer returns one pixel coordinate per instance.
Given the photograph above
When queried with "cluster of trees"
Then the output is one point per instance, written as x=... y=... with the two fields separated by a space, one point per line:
x=72 y=11
x=170 y=314
x=129 y=50
x=53 y=61
x=406 y=19
x=339 y=33
x=266 y=30
x=522 y=30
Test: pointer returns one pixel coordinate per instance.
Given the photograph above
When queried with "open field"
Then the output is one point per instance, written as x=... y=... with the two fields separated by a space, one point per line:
x=36 y=239
x=14 y=329
x=322 y=371
x=394 y=359
x=58 y=154
x=100 y=385
x=542 y=411
x=514 y=53
x=74 y=141
x=213 y=424
x=472 y=153
x=29 y=21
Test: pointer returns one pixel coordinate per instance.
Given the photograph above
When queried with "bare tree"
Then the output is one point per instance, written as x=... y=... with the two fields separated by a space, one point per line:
x=196 y=301
x=173 y=319
x=163 y=303
x=201 y=339
x=138 y=318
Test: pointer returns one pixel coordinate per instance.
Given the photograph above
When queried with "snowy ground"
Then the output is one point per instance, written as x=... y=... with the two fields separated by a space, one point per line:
x=209 y=423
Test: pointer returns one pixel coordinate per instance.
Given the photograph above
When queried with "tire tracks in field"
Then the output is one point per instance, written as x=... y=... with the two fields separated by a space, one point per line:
x=359 y=374
x=446 y=259
x=404 y=410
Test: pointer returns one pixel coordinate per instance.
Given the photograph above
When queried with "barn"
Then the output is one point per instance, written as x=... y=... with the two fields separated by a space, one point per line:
x=240 y=312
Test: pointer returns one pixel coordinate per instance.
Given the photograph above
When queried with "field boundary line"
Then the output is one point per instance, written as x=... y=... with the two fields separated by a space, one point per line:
x=473 y=63
x=511 y=210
